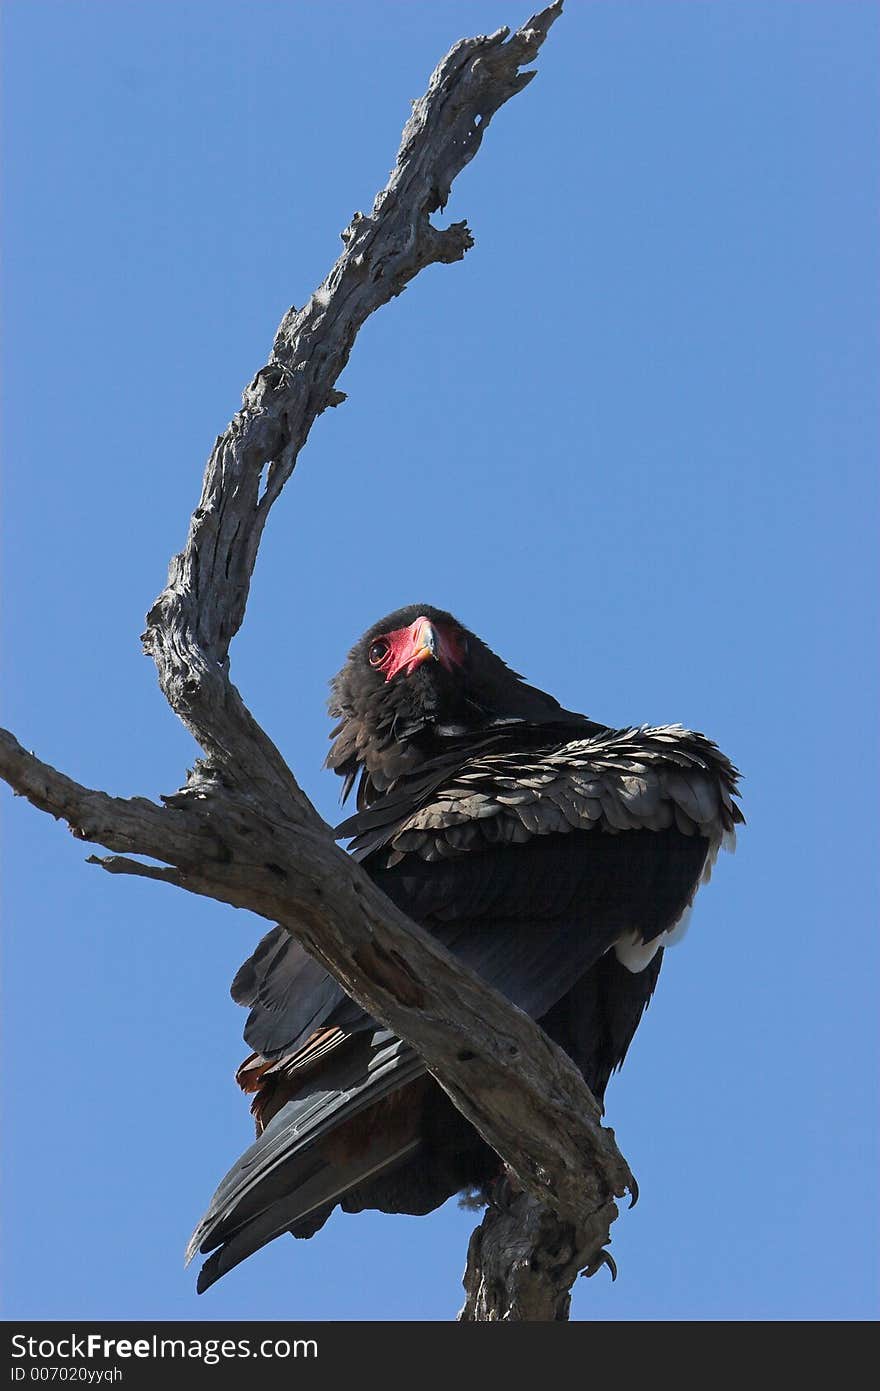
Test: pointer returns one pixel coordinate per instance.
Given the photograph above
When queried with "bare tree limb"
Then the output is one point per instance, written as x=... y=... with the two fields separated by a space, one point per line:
x=523 y=1259
x=522 y=1092
x=243 y=832
x=194 y=620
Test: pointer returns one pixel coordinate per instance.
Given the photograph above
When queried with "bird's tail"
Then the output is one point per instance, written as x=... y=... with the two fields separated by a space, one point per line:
x=317 y=1188
x=312 y=1153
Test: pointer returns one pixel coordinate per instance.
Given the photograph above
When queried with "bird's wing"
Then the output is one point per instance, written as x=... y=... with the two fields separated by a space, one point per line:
x=285 y=1176
x=650 y=778
x=290 y=997
x=499 y=846
x=529 y=867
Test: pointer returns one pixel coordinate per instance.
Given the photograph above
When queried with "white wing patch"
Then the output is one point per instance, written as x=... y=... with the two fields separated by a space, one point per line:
x=676 y=934
x=635 y=954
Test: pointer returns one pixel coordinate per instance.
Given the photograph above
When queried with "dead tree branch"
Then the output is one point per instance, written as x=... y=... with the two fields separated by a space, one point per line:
x=523 y=1259
x=523 y=1094
x=242 y=831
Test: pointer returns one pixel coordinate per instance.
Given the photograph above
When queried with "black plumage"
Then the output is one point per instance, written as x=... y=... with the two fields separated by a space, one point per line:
x=551 y=854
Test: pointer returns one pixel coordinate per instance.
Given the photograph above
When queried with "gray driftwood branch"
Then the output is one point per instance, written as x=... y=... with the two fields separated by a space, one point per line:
x=243 y=832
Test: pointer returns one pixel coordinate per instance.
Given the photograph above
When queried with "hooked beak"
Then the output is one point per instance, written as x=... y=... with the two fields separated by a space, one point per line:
x=422 y=641
x=425 y=644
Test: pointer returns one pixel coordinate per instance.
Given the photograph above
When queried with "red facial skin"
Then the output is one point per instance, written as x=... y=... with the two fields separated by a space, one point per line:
x=407 y=648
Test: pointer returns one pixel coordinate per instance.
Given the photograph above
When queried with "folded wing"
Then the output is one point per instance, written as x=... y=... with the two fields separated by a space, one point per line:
x=556 y=868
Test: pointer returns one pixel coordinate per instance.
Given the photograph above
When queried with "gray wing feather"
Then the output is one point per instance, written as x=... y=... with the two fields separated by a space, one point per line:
x=649 y=778
x=267 y=1171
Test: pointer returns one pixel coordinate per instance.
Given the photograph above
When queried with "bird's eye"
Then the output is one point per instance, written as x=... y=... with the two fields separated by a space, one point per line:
x=378 y=652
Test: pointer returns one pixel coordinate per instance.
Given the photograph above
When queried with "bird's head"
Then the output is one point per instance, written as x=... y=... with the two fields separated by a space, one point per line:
x=416 y=679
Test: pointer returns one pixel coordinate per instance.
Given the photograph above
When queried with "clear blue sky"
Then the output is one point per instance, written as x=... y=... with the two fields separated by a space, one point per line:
x=630 y=440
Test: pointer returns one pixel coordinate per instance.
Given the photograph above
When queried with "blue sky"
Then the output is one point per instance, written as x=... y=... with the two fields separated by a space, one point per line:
x=631 y=440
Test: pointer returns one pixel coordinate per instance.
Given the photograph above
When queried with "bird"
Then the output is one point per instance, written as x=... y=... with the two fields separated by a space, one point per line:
x=555 y=856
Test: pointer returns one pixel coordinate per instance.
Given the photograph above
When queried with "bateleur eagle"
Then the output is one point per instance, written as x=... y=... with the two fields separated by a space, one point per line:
x=554 y=856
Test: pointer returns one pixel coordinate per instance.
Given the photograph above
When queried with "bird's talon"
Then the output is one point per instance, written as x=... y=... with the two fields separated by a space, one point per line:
x=601 y=1258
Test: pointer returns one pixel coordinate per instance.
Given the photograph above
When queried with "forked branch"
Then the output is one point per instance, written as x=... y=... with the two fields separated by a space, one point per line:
x=242 y=831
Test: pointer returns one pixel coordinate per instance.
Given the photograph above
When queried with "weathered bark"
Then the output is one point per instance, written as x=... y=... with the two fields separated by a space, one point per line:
x=243 y=832
x=523 y=1259
x=521 y=1092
